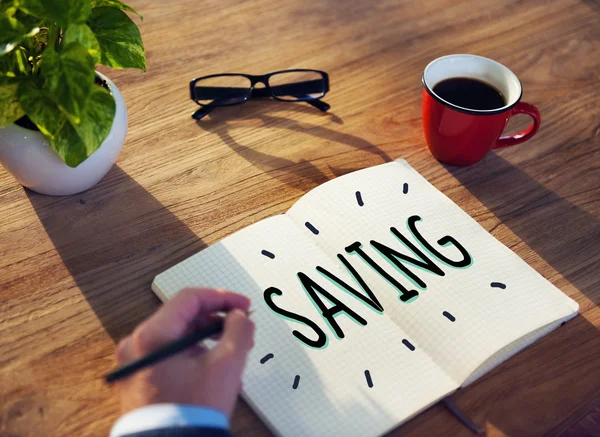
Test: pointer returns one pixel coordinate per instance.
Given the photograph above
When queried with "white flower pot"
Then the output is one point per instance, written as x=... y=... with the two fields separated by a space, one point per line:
x=26 y=154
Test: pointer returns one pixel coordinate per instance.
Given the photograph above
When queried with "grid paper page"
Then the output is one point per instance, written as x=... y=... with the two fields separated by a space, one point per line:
x=332 y=395
x=508 y=351
x=486 y=319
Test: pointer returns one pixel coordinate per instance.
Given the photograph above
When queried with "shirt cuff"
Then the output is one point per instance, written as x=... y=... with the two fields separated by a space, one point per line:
x=168 y=416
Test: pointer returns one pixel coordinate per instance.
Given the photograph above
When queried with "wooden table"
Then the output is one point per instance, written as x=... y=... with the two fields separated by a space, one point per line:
x=75 y=271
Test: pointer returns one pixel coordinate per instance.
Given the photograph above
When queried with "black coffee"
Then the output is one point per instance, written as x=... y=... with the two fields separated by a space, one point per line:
x=470 y=93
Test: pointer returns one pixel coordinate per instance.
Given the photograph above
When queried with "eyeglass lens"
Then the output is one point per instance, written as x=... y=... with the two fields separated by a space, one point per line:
x=222 y=90
x=298 y=85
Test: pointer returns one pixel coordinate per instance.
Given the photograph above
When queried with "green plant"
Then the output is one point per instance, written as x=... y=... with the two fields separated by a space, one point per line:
x=48 y=53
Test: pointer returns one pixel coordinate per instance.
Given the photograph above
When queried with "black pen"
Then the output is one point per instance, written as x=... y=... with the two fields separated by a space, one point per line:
x=166 y=351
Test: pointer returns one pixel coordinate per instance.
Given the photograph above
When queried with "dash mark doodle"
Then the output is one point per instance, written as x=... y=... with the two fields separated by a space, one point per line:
x=369 y=380
x=268 y=254
x=359 y=199
x=408 y=344
x=266 y=358
x=498 y=285
x=449 y=316
x=405 y=188
x=296 y=382
x=312 y=228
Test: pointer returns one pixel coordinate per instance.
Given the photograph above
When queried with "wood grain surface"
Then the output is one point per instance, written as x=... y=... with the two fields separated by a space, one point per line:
x=75 y=271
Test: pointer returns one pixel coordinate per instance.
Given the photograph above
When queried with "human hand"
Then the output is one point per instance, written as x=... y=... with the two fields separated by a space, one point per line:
x=197 y=376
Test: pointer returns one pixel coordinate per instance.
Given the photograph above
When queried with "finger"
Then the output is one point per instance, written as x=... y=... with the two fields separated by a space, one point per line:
x=174 y=318
x=191 y=303
x=124 y=352
x=196 y=351
x=206 y=320
x=216 y=337
x=238 y=335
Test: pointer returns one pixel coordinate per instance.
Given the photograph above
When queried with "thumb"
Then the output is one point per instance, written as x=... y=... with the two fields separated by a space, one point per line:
x=238 y=335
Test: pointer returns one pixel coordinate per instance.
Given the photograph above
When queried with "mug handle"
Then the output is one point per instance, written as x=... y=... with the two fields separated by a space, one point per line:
x=524 y=135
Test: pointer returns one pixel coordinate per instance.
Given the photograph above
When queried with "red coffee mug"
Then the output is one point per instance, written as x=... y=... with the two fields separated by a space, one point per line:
x=462 y=136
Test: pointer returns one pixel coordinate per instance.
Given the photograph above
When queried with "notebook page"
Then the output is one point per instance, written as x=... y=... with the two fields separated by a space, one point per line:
x=461 y=318
x=300 y=390
x=512 y=349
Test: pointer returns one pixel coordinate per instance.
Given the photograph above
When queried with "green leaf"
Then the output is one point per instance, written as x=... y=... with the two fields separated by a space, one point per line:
x=8 y=7
x=41 y=109
x=29 y=21
x=14 y=64
x=83 y=35
x=61 y=12
x=73 y=143
x=12 y=32
x=115 y=4
x=97 y=119
x=10 y=108
x=119 y=38
x=69 y=77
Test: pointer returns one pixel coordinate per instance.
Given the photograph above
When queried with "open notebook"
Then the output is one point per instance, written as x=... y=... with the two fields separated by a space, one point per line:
x=375 y=296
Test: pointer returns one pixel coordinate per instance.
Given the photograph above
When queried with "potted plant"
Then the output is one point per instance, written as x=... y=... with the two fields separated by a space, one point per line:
x=62 y=124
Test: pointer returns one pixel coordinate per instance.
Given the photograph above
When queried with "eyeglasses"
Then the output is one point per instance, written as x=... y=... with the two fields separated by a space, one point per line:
x=234 y=89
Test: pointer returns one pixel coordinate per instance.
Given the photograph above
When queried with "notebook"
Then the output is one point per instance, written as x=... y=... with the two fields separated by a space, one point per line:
x=374 y=297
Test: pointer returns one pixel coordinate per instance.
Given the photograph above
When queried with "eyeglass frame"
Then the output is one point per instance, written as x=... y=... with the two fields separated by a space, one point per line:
x=263 y=92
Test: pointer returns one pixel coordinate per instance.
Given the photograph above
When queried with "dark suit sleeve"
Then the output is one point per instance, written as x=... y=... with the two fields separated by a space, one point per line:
x=182 y=432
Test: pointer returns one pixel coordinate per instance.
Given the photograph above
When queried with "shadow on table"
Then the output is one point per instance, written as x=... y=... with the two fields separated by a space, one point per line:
x=302 y=175
x=114 y=238
x=563 y=234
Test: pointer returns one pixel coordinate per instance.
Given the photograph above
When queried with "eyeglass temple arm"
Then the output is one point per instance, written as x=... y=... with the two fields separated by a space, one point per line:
x=319 y=104
x=202 y=112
